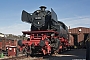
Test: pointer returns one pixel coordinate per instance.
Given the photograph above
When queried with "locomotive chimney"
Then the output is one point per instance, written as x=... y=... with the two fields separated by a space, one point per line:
x=42 y=8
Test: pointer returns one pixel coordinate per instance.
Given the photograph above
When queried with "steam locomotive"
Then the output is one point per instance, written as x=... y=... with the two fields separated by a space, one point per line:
x=47 y=35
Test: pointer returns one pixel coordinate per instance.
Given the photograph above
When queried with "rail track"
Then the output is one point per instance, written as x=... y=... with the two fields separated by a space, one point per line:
x=23 y=58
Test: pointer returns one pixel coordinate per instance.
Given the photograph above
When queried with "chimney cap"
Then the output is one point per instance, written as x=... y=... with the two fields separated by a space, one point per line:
x=42 y=7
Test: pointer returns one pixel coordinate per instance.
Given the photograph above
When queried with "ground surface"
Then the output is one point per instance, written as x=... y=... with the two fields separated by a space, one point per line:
x=76 y=54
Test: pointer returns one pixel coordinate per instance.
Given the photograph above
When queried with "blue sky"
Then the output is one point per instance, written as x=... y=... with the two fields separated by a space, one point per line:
x=74 y=13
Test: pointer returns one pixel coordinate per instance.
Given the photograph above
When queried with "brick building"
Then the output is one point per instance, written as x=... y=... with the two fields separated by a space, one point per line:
x=79 y=34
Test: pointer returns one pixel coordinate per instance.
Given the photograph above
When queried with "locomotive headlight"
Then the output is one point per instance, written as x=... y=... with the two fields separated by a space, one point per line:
x=38 y=22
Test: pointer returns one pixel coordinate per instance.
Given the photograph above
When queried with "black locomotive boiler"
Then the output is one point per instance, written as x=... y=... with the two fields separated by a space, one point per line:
x=41 y=19
x=47 y=35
